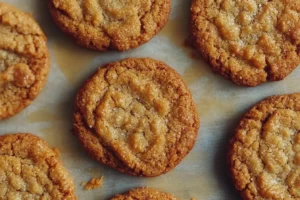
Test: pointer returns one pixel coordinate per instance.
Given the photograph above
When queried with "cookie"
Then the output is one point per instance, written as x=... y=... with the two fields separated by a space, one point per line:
x=108 y=24
x=249 y=42
x=144 y=194
x=24 y=60
x=264 y=155
x=29 y=169
x=136 y=116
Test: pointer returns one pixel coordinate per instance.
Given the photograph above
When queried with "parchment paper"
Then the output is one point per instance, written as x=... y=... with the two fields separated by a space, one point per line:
x=203 y=173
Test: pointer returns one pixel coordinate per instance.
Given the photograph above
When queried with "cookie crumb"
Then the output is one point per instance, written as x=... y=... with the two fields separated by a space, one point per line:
x=94 y=183
x=193 y=198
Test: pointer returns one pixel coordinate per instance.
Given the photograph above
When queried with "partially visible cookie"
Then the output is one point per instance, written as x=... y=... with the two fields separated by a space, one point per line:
x=108 y=24
x=29 y=169
x=264 y=155
x=136 y=116
x=144 y=194
x=24 y=60
x=249 y=42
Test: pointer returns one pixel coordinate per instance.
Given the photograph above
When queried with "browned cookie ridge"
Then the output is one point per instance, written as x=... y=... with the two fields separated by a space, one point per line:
x=29 y=169
x=249 y=42
x=24 y=60
x=144 y=194
x=264 y=155
x=110 y=24
x=137 y=116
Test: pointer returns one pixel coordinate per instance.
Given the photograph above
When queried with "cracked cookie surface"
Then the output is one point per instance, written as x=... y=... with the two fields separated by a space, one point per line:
x=264 y=155
x=110 y=24
x=24 y=60
x=137 y=116
x=249 y=42
x=144 y=194
x=29 y=169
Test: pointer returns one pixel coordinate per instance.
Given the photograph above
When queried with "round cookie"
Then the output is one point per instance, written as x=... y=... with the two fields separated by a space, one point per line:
x=249 y=42
x=24 y=60
x=29 y=169
x=136 y=116
x=264 y=155
x=109 y=24
x=144 y=194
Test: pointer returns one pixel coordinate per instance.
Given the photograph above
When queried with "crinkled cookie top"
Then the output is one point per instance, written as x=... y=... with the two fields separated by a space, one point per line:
x=137 y=116
x=144 y=194
x=248 y=42
x=265 y=152
x=29 y=169
x=24 y=62
x=110 y=24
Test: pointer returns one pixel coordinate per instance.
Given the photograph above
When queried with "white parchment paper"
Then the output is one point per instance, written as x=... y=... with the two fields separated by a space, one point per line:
x=203 y=173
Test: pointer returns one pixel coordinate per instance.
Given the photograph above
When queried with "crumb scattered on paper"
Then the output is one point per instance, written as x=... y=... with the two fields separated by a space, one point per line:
x=94 y=183
x=193 y=199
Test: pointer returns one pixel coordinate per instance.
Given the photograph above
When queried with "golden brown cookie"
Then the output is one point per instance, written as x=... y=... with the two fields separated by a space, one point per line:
x=249 y=42
x=264 y=154
x=29 y=169
x=24 y=60
x=144 y=194
x=136 y=116
x=109 y=24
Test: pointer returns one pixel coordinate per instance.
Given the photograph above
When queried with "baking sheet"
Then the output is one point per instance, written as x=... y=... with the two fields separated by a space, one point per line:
x=202 y=174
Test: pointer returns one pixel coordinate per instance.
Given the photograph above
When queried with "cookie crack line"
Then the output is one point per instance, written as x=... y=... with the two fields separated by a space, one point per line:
x=24 y=53
x=15 y=29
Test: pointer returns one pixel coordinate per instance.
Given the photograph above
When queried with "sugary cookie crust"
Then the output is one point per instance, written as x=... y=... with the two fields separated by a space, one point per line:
x=110 y=24
x=248 y=42
x=29 y=169
x=144 y=194
x=24 y=60
x=264 y=154
x=93 y=183
x=137 y=116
